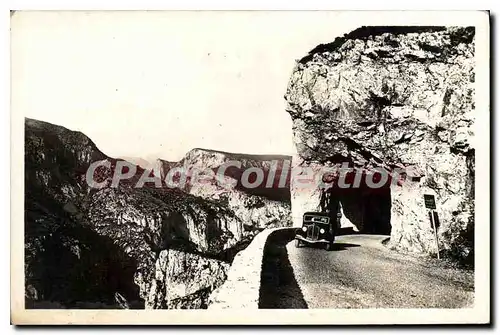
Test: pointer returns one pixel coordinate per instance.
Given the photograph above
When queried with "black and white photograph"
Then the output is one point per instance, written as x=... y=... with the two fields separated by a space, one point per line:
x=250 y=167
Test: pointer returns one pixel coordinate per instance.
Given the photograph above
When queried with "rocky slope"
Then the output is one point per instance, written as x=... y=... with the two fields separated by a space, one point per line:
x=392 y=97
x=277 y=177
x=116 y=247
x=143 y=163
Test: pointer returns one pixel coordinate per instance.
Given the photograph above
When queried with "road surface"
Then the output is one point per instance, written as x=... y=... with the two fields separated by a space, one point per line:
x=361 y=273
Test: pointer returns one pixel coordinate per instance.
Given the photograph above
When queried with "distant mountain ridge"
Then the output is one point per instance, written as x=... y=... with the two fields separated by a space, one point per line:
x=143 y=163
x=213 y=159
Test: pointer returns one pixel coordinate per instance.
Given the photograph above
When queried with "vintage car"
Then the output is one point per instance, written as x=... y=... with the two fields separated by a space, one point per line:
x=317 y=228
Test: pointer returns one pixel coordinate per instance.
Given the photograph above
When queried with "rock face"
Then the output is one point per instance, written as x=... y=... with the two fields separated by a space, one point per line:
x=122 y=247
x=276 y=171
x=174 y=287
x=393 y=97
x=258 y=207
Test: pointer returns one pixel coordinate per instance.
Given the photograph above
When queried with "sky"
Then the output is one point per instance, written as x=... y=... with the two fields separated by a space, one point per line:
x=157 y=84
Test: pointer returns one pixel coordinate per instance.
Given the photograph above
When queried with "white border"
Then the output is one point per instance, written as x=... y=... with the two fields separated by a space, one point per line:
x=478 y=314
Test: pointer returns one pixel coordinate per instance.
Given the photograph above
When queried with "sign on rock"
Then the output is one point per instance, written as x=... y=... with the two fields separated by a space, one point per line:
x=430 y=201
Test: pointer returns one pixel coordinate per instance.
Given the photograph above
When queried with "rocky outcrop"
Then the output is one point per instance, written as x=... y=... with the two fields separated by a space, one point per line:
x=115 y=246
x=174 y=287
x=275 y=169
x=257 y=208
x=393 y=97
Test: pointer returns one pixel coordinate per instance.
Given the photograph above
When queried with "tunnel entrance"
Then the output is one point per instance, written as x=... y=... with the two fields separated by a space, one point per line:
x=368 y=209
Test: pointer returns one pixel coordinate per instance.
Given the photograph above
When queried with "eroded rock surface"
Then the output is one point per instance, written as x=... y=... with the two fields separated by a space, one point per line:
x=392 y=97
x=257 y=207
x=174 y=287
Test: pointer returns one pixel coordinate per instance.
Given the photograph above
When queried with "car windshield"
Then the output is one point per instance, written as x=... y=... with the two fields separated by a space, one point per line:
x=316 y=219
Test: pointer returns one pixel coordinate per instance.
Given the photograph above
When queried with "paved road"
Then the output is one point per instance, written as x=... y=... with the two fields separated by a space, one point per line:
x=361 y=273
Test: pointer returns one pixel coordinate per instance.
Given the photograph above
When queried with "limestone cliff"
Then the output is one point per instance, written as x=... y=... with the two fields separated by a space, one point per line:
x=257 y=207
x=392 y=97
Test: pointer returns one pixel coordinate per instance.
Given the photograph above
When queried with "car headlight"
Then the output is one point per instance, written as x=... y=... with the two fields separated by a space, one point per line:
x=304 y=229
x=322 y=231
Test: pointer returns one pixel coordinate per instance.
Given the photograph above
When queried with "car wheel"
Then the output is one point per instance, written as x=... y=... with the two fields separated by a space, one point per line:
x=297 y=243
x=332 y=238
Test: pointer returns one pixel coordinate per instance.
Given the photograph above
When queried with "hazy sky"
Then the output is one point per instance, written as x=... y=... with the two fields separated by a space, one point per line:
x=157 y=84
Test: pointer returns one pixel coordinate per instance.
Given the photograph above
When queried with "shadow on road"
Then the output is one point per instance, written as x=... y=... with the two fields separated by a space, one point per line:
x=346 y=231
x=343 y=246
x=279 y=288
x=337 y=246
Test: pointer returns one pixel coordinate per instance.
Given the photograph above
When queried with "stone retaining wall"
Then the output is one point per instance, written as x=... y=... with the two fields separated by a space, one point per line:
x=242 y=286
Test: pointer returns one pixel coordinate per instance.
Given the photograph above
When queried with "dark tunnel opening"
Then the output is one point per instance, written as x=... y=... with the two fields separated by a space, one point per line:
x=374 y=208
x=368 y=209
